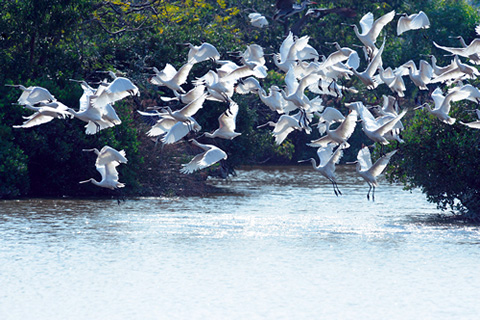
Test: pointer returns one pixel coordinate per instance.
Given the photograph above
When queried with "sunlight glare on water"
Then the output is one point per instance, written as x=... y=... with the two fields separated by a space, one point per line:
x=278 y=244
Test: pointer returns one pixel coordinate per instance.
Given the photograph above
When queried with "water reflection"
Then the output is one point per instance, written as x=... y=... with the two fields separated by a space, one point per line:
x=278 y=244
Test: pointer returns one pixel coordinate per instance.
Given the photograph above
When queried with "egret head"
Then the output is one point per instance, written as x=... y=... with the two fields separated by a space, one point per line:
x=86 y=181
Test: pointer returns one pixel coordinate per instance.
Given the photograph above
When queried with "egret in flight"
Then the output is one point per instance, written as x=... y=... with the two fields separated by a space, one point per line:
x=412 y=22
x=107 y=161
x=210 y=156
x=370 y=172
x=328 y=160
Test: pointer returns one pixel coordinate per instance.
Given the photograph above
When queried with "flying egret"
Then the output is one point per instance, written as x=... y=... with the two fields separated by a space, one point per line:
x=118 y=89
x=203 y=52
x=328 y=160
x=286 y=124
x=210 y=156
x=96 y=105
x=185 y=114
x=412 y=22
x=461 y=71
x=45 y=112
x=107 y=161
x=371 y=30
x=342 y=54
x=339 y=135
x=471 y=51
x=438 y=70
x=93 y=115
x=226 y=121
x=368 y=171
x=421 y=76
x=393 y=79
x=32 y=95
x=179 y=130
x=443 y=103
x=289 y=52
x=257 y=20
x=377 y=129
x=188 y=97
x=367 y=76
x=170 y=77
x=161 y=123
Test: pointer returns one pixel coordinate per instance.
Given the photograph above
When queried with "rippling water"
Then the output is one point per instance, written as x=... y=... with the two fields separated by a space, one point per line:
x=280 y=245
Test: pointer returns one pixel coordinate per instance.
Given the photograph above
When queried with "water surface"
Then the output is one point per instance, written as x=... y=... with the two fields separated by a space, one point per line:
x=279 y=245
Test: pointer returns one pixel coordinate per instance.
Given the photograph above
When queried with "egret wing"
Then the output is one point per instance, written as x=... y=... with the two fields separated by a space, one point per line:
x=364 y=158
x=35 y=119
x=381 y=164
x=177 y=132
x=325 y=154
x=380 y=23
x=109 y=154
x=366 y=23
x=192 y=108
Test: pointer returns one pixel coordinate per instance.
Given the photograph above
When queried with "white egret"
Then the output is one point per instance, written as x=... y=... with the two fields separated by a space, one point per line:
x=203 y=52
x=188 y=97
x=289 y=51
x=32 y=94
x=179 y=130
x=96 y=105
x=217 y=87
x=328 y=160
x=461 y=71
x=421 y=76
x=471 y=51
x=226 y=121
x=170 y=77
x=162 y=125
x=370 y=172
x=339 y=135
x=376 y=129
x=257 y=20
x=210 y=156
x=185 y=114
x=412 y=22
x=342 y=54
x=118 y=89
x=286 y=124
x=253 y=56
x=44 y=112
x=371 y=30
x=438 y=70
x=393 y=79
x=442 y=103
x=367 y=76
x=274 y=99
x=107 y=161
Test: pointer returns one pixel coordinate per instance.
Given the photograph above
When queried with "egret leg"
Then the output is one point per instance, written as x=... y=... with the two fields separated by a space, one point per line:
x=120 y=196
x=336 y=185
x=334 y=190
x=368 y=194
x=373 y=194
x=98 y=127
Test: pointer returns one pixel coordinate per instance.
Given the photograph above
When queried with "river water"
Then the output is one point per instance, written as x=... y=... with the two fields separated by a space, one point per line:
x=278 y=245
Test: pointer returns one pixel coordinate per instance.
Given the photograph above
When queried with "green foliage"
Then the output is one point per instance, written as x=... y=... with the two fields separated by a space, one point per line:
x=443 y=161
